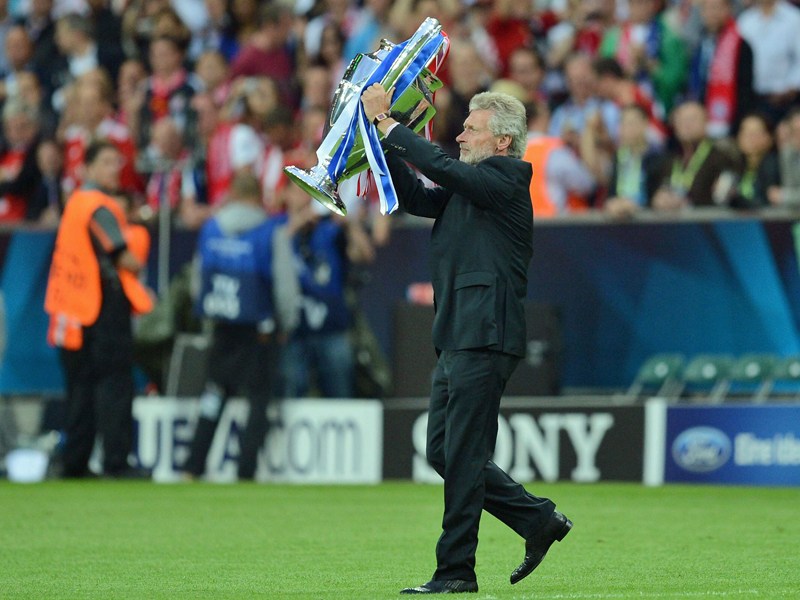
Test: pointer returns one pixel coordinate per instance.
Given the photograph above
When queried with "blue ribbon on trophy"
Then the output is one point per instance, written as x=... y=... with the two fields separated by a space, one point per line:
x=352 y=144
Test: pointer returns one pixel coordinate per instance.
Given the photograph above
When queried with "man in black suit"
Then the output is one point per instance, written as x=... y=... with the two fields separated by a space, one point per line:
x=481 y=245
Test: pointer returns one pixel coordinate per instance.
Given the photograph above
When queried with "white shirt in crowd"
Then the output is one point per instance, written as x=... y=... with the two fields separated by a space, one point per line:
x=775 y=40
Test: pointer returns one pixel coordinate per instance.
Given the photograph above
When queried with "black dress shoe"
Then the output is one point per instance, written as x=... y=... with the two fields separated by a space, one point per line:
x=537 y=546
x=444 y=586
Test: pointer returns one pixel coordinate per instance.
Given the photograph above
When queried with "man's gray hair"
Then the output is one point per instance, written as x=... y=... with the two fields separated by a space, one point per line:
x=508 y=118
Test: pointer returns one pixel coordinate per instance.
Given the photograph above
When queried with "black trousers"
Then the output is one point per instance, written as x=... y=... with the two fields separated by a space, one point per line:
x=462 y=431
x=99 y=382
x=241 y=361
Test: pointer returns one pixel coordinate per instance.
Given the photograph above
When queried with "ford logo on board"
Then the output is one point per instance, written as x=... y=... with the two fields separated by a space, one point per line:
x=701 y=449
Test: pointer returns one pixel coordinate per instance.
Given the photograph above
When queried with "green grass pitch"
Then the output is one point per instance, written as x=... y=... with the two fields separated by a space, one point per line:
x=111 y=540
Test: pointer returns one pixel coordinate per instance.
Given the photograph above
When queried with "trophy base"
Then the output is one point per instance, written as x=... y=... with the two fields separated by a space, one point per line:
x=316 y=183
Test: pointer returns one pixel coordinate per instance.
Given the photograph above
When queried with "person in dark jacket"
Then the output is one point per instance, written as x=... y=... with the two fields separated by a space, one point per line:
x=481 y=247
x=634 y=166
x=747 y=184
x=47 y=200
x=324 y=248
x=688 y=174
x=19 y=173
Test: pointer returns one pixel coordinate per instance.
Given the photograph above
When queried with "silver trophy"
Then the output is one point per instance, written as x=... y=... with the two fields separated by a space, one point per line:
x=413 y=108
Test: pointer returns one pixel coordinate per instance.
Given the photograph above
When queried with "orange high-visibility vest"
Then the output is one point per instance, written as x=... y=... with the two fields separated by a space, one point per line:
x=74 y=294
x=138 y=239
x=537 y=153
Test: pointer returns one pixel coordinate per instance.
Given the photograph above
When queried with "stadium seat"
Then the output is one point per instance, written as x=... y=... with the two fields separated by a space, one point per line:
x=706 y=376
x=786 y=371
x=752 y=374
x=659 y=375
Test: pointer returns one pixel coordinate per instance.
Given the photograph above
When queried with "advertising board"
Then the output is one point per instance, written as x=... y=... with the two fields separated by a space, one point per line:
x=742 y=444
x=309 y=441
x=535 y=441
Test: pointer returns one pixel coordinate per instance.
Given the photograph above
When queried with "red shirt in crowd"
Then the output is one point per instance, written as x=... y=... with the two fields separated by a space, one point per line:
x=508 y=35
x=12 y=207
x=231 y=147
x=77 y=139
x=167 y=187
x=276 y=64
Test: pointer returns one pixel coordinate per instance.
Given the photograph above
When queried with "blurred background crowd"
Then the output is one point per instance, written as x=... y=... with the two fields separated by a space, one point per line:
x=632 y=104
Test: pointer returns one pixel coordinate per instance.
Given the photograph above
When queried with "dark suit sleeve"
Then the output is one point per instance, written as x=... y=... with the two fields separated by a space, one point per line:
x=485 y=184
x=745 y=94
x=27 y=179
x=413 y=196
x=611 y=191
x=769 y=175
x=655 y=167
x=658 y=172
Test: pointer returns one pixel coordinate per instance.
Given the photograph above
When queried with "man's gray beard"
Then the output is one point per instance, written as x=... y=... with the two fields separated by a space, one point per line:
x=474 y=159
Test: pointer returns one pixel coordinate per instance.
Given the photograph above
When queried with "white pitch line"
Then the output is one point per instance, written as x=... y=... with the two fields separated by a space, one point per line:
x=710 y=594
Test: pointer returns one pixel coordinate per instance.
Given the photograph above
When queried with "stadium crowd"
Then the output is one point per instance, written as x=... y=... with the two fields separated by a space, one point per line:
x=632 y=104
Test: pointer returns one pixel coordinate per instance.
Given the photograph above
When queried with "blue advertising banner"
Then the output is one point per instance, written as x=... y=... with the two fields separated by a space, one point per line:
x=29 y=365
x=747 y=444
x=630 y=290
x=623 y=292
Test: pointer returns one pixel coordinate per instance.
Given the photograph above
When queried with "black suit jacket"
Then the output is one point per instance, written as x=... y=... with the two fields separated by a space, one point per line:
x=481 y=243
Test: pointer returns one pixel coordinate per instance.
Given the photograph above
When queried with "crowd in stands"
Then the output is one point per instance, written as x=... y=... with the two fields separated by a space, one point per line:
x=632 y=104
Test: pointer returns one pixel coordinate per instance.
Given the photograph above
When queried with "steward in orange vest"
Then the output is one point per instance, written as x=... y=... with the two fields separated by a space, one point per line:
x=91 y=292
x=537 y=153
x=74 y=294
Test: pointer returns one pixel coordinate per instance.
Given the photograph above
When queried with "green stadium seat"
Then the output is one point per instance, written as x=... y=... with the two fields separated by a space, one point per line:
x=706 y=376
x=753 y=374
x=659 y=375
x=787 y=370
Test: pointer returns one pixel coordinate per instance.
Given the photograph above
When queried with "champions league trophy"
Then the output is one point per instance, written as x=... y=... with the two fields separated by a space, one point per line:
x=350 y=144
